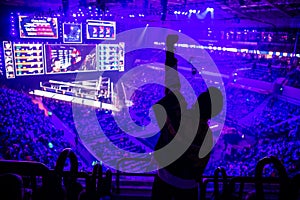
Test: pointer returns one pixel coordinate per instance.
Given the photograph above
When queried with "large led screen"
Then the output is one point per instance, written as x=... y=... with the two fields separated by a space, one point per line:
x=67 y=58
x=8 y=59
x=102 y=30
x=45 y=27
x=72 y=33
x=29 y=59
x=110 y=57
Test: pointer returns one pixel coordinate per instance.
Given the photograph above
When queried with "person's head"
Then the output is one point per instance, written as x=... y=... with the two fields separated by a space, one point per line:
x=56 y=65
x=210 y=103
x=11 y=187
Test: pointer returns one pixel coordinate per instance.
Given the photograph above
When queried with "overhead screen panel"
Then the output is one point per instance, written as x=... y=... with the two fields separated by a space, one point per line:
x=72 y=33
x=110 y=57
x=8 y=59
x=67 y=58
x=29 y=59
x=101 y=30
x=44 y=28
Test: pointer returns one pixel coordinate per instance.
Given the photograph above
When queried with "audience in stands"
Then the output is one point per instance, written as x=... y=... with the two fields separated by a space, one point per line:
x=27 y=133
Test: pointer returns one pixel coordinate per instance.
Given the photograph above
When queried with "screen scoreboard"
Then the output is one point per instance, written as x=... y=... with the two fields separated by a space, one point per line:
x=110 y=57
x=63 y=58
x=8 y=59
x=102 y=30
x=29 y=59
x=45 y=27
x=72 y=33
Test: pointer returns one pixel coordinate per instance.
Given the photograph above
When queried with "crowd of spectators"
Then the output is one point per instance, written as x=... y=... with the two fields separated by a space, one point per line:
x=241 y=102
x=27 y=133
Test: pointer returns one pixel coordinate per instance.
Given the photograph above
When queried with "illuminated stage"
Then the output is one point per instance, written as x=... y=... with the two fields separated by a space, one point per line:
x=95 y=93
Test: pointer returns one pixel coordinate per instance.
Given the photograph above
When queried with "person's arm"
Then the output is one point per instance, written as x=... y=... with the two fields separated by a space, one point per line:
x=172 y=81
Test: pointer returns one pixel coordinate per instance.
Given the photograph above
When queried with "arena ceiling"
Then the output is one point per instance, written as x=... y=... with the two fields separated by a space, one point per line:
x=259 y=10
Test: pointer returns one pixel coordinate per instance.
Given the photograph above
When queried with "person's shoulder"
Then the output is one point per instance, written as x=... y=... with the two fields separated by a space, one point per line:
x=167 y=100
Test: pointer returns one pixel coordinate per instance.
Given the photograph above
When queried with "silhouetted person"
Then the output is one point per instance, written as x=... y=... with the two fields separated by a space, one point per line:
x=11 y=187
x=179 y=180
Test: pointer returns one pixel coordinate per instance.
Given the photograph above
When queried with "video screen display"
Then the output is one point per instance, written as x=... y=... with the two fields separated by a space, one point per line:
x=72 y=33
x=29 y=59
x=8 y=59
x=102 y=30
x=111 y=57
x=67 y=58
x=45 y=28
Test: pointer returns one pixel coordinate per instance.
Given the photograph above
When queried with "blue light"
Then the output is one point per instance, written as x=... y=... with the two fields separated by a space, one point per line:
x=50 y=145
x=90 y=7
